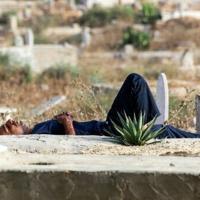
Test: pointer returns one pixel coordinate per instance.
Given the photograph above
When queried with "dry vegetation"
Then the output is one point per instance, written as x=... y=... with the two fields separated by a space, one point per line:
x=81 y=100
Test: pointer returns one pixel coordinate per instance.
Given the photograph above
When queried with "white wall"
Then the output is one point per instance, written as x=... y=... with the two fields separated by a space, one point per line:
x=41 y=57
x=106 y=3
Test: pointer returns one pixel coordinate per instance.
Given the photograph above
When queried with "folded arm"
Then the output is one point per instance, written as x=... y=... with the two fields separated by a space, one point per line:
x=66 y=120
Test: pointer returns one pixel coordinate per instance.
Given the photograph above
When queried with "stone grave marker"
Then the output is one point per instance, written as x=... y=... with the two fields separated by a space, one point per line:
x=187 y=60
x=46 y=106
x=27 y=12
x=13 y=23
x=18 y=41
x=29 y=38
x=86 y=37
x=162 y=98
x=129 y=50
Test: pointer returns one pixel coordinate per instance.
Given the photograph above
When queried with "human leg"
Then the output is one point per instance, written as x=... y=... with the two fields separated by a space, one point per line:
x=134 y=97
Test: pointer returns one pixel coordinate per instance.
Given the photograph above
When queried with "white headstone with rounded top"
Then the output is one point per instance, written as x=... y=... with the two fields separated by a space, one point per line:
x=162 y=98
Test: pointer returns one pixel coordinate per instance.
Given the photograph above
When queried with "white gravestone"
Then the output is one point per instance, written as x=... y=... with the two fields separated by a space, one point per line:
x=187 y=60
x=86 y=37
x=18 y=41
x=129 y=50
x=29 y=38
x=162 y=98
x=27 y=13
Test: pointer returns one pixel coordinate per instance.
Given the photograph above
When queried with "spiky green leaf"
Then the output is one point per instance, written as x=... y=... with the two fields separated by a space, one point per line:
x=135 y=131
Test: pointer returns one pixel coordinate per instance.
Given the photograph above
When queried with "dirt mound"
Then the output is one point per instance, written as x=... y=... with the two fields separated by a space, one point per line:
x=177 y=33
x=185 y=22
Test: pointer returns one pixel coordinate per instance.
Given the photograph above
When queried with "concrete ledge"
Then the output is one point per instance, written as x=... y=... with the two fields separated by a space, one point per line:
x=97 y=145
x=61 y=167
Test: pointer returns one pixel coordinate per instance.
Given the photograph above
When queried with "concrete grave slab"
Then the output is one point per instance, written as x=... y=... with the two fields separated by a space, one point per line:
x=67 y=167
x=45 y=106
x=97 y=145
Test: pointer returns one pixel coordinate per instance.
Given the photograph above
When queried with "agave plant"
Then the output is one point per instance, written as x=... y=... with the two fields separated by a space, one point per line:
x=135 y=131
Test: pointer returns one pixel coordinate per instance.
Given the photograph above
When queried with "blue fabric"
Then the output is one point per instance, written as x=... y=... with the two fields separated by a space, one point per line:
x=98 y=128
x=172 y=132
x=81 y=128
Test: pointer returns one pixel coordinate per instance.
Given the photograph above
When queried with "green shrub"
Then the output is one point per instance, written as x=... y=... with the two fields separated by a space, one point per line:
x=26 y=74
x=98 y=16
x=140 y=40
x=149 y=14
x=135 y=132
x=4 y=18
x=4 y=59
x=95 y=17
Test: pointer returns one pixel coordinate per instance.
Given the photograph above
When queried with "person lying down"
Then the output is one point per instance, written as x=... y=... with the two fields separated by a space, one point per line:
x=133 y=98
